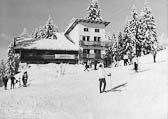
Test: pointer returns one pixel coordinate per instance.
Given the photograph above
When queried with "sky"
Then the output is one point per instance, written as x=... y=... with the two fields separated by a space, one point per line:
x=15 y=15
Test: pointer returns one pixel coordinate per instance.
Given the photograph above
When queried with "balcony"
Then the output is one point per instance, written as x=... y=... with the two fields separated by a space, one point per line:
x=93 y=43
x=92 y=56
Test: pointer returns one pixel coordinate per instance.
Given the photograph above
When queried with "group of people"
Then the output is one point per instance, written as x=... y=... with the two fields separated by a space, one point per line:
x=88 y=63
x=14 y=80
x=102 y=72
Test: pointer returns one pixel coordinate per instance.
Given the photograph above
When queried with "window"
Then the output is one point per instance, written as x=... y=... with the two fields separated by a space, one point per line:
x=88 y=38
x=97 y=39
x=83 y=38
x=96 y=51
x=86 y=51
x=86 y=29
x=96 y=30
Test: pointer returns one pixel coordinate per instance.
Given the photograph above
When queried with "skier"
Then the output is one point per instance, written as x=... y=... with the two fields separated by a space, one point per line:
x=102 y=79
x=5 y=81
x=24 y=79
x=12 y=81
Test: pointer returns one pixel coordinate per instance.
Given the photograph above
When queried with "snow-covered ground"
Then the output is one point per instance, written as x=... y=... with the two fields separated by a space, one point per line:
x=76 y=95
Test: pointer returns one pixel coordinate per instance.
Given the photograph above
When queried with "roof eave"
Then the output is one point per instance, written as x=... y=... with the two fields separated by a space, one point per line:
x=85 y=21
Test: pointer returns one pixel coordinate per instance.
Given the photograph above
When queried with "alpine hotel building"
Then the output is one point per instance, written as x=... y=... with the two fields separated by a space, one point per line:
x=84 y=40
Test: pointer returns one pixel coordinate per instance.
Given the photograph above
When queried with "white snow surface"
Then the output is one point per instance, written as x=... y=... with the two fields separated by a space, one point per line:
x=61 y=43
x=75 y=95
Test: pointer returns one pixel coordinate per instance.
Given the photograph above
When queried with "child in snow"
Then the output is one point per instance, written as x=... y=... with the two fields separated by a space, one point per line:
x=102 y=79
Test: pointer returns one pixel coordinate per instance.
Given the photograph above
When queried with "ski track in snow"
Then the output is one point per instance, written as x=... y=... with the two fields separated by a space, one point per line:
x=76 y=95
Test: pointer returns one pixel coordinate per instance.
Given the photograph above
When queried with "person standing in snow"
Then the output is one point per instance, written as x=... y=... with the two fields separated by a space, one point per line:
x=13 y=81
x=24 y=79
x=95 y=65
x=102 y=79
x=86 y=66
x=114 y=61
x=136 y=62
x=154 y=51
x=125 y=59
x=5 y=81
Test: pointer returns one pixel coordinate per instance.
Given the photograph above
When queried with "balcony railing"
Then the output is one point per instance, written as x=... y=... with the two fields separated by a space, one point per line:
x=92 y=56
x=94 y=43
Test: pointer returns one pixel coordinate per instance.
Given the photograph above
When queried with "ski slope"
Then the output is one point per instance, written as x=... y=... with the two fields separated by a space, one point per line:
x=76 y=95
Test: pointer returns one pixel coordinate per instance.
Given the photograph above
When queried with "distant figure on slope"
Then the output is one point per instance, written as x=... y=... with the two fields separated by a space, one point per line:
x=102 y=79
x=86 y=66
x=24 y=79
x=154 y=51
x=130 y=57
x=13 y=81
x=114 y=61
x=95 y=64
x=5 y=81
x=136 y=62
x=125 y=59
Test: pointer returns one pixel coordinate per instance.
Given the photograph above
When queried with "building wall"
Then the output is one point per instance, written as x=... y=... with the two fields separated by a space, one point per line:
x=74 y=35
x=91 y=31
x=91 y=27
x=78 y=32
x=49 y=56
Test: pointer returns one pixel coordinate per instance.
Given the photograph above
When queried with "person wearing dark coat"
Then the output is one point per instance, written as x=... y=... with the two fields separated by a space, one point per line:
x=12 y=82
x=95 y=65
x=5 y=81
x=24 y=79
x=86 y=66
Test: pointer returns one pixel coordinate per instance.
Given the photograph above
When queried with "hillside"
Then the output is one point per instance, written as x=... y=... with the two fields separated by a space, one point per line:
x=76 y=95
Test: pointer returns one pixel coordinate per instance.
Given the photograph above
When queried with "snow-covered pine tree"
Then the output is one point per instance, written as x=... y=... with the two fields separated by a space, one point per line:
x=120 y=40
x=126 y=38
x=47 y=31
x=3 y=71
x=12 y=61
x=34 y=33
x=132 y=33
x=94 y=11
x=148 y=33
x=133 y=25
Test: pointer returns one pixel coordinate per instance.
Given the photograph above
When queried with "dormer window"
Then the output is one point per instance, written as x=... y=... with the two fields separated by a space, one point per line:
x=86 y=29
x=96 y=30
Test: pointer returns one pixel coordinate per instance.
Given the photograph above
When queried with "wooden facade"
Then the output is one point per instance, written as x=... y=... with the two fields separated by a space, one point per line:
x=47 y=56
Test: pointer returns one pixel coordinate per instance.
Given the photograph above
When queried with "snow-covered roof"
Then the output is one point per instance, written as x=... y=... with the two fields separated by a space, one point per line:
x=69 y=29
x=61 y=43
